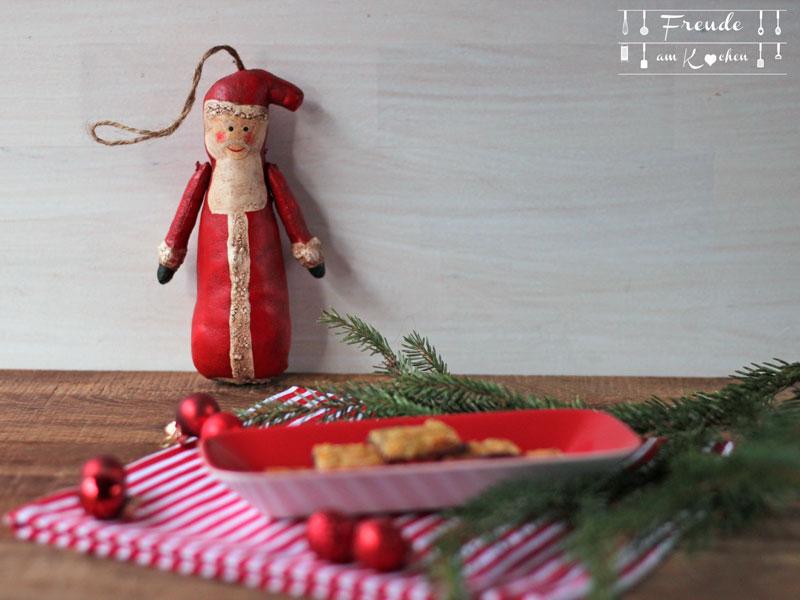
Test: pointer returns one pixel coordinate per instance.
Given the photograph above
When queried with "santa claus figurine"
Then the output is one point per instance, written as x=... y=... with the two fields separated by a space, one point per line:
x=241 y=328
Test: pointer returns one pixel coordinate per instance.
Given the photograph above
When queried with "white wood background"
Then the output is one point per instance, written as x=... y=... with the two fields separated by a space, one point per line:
x=477 y=171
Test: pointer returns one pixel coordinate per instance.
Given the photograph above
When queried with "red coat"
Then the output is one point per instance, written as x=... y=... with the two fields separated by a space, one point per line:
x=228 y=323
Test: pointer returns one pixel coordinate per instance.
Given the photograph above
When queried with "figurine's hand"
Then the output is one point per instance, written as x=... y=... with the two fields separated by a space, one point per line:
x=167 y=255
x=164 y=274
x=309 y=254
x=319 y=271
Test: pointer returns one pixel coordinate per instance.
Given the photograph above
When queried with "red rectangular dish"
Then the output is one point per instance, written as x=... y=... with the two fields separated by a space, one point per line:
x=272 y=467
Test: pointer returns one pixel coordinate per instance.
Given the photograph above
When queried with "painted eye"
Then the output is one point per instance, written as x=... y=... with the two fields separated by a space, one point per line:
x=246 y=128
x=230 y=128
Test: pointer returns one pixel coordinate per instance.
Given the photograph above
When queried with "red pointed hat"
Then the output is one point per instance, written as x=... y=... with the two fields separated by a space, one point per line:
x=256 y=87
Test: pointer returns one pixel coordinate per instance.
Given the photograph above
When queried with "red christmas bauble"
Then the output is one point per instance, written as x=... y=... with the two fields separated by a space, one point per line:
x=378 y=545
x=193 y=411
x=330 y=535
x=102 y=487
x=103 y=463
x=218 y=423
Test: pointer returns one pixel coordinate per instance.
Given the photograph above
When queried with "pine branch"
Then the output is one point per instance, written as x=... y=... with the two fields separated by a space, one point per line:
x=702 y=495
x=415 y=393
x=276 y=412
x=422 y=355
x=356 y=332
x=438 y=393
x=378 y=401
x=768 y=378
x=459 y=393
x=698 y=493
x=515 y=502
x=751 y=390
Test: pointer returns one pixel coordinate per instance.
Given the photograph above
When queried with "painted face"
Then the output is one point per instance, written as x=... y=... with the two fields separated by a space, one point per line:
x=228 y=136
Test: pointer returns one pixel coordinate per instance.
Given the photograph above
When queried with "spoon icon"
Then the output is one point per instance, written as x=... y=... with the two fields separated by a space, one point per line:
x=644 y=30
x=624 y=22
x=761 y=22
x=777 y=22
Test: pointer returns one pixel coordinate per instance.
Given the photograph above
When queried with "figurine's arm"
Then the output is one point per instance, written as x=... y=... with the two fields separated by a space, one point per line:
x=306 y=249
x=172 y=250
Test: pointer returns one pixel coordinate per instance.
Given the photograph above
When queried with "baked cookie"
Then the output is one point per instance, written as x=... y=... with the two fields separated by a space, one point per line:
x=543 y=452
x=492 y=447
x=344 y=456
x=429 y=441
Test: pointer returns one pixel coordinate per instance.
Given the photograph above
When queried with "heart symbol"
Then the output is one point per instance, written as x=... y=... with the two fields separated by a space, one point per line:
x=711 y=59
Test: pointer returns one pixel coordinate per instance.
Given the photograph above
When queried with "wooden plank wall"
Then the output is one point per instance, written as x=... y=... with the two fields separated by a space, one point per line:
x=477 y=170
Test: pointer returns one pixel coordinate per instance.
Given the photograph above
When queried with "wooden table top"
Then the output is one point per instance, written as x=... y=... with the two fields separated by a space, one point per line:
x=52 y=421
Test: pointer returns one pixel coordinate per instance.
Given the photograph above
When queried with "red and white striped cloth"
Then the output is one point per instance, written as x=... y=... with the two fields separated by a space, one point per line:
x=189 y=523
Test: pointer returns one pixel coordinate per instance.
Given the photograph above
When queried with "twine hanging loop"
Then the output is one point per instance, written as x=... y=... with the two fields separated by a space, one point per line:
x=146 y=134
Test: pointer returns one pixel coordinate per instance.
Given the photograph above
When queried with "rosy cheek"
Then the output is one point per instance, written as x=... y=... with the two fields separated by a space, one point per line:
x=220 y=136
x=248 y=138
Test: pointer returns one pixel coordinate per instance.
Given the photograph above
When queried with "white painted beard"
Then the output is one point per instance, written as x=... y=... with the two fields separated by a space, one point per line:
x=237 y=185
